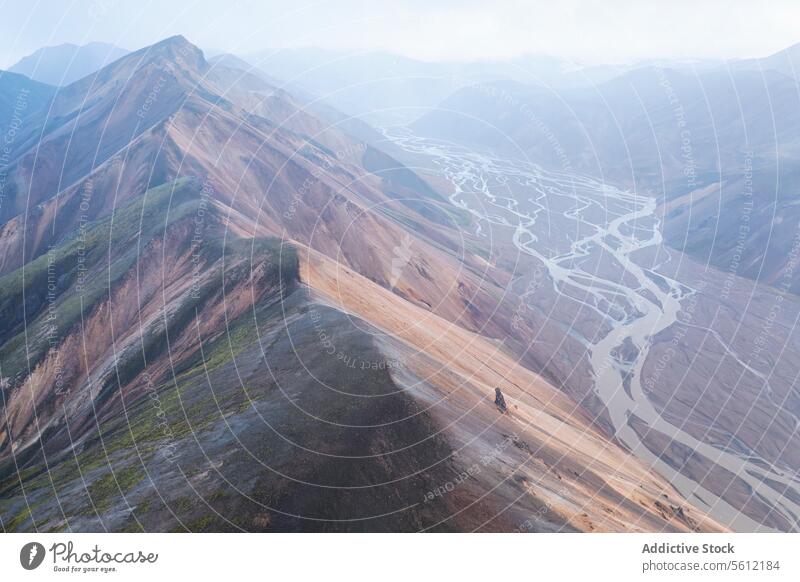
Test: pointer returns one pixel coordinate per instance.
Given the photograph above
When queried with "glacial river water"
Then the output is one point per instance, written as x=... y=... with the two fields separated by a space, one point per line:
x=561 y=218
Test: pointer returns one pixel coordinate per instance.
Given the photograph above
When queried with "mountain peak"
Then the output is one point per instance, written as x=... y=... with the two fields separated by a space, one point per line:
x=176 y=49
x=177 y=40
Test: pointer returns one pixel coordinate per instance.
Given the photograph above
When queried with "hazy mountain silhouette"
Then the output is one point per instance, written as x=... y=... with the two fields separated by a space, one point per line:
x=65 y=63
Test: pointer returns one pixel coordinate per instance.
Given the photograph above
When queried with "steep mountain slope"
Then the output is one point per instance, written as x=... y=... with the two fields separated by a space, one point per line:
x=228 y=324
x=20 y=99
x=213 y=401
x=296 y=108
x=66 y=63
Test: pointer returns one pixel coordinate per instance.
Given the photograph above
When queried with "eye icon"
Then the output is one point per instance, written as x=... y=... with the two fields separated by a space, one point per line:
x=31 y=555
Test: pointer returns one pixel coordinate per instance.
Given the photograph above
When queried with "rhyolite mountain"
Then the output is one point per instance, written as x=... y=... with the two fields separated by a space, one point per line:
x=221 y=312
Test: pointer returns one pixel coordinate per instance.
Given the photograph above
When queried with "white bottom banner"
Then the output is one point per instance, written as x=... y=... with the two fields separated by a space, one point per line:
x=355 y=557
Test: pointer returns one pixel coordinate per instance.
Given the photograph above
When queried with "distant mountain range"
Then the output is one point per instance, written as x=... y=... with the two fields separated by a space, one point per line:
x=709 y=142
x=65 y=63
x=387 y=88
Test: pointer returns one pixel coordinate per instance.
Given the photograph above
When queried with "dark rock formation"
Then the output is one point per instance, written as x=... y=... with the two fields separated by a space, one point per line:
x=500 y=401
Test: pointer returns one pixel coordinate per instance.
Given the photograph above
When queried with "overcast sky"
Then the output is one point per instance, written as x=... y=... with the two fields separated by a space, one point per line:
x=585 y=31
